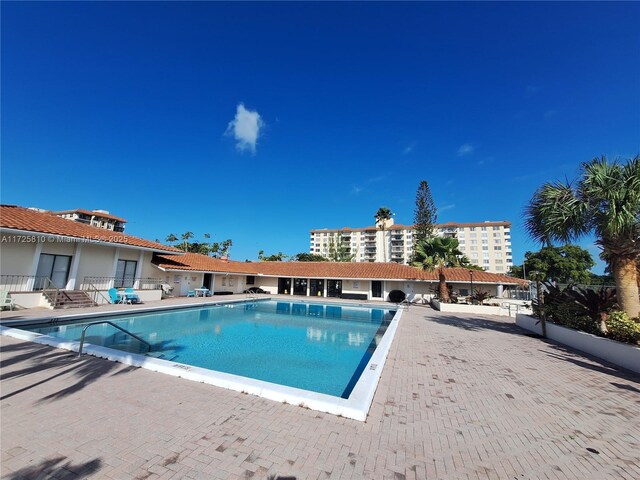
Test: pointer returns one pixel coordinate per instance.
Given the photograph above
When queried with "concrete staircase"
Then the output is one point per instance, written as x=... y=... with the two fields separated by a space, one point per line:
x=68 y=299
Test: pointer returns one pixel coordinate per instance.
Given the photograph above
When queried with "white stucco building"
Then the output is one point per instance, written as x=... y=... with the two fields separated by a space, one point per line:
x=486 y=244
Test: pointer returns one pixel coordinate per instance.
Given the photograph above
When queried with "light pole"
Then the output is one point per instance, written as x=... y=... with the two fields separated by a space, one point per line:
x=471 y=275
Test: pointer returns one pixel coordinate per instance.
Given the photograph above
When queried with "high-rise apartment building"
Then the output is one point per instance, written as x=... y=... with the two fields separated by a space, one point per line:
x=486 y=244
x=95 y=218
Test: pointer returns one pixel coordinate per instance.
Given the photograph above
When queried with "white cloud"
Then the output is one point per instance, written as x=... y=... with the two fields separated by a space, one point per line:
x=466 y=149
x=356 y=190
x=409 y=148
x=376 y=179
x=245 y=128
x=444 y=208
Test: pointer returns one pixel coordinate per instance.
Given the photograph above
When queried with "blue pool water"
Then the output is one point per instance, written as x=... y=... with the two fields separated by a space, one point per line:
x=319 y=347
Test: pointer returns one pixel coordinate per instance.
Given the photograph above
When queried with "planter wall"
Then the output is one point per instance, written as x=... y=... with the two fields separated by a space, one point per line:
x=462 y=308
x=622 y=354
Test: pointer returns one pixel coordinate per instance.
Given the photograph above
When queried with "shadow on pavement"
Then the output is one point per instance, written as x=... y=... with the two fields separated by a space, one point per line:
x=40 y=359
x=55 y=468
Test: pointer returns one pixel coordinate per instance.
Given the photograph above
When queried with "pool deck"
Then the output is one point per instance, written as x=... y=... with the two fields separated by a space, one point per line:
x=460 y=398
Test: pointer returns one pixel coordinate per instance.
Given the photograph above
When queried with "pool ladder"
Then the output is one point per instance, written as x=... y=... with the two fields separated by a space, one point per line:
x=84 y=331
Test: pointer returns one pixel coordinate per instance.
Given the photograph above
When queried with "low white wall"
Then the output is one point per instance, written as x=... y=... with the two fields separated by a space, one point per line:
x=268 y=284
x=462 y=308
x=29 y=300
x=618 y=353
x=145 y=296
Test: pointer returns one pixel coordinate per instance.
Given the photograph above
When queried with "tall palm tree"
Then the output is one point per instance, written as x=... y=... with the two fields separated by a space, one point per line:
x=605 y=202
x=185 y=237
x=435 y=254
x=382 y=215
x=171 y=238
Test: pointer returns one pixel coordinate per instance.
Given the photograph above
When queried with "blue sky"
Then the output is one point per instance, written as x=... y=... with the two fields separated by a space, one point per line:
x=341 y=108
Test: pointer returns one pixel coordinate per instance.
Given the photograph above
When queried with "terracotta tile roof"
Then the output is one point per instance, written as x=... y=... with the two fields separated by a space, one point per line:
x=91 y=213
x=24 y=219
x=202 y=263
x=363 y=270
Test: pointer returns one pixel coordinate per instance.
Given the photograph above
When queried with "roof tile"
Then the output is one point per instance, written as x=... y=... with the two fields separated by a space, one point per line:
x=20 y=218
x=356 y=270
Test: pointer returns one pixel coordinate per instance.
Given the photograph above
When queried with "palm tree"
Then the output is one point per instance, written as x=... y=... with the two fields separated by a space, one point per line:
x=605 y=202
x=186 y=236
x=171 y=238
x=435 y=254
x=382 y=215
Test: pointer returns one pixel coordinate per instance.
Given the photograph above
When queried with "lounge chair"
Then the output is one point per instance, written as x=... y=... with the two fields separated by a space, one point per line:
x=132 y=297
x=6 y=300
x=191 y=293
x=114 y=297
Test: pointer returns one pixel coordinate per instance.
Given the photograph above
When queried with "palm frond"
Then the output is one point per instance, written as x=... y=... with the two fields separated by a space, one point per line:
x=556 y=213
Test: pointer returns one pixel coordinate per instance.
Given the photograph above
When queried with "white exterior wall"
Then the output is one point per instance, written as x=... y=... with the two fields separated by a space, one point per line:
x=91 y=259
x=95 y=261
x=498 y=235
x=16 y=257
x=357 y=287
x=269 y=284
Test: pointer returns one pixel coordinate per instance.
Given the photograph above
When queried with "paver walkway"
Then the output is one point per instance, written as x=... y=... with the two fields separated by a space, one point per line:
x=459 y=398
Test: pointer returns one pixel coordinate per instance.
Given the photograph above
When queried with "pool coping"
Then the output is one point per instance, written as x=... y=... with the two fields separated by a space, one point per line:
x=355 y=407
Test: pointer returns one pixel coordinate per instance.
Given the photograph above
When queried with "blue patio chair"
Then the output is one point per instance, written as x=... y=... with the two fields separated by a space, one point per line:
x=131 y=295
x=113 y=296
x=191 y=293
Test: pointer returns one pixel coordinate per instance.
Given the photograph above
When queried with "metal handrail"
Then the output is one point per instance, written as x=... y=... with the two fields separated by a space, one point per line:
x=47 y=288
x=105 y=283
x=84 y=331
x=21 y=283
x=95 y=292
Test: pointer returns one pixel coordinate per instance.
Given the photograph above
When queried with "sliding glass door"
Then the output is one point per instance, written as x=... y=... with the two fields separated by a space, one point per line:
x=125 y=274
x=54 y=267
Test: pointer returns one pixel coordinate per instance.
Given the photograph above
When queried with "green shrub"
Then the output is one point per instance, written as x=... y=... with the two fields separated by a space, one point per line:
x=623 y=328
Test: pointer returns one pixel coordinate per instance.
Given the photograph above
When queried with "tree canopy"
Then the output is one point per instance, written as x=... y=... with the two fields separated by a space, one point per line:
x=435 y=254
x=605 y=202
x=308 y=257
x=425 y=214
x=566 y=264
x=339 y=250
x=213 y=249
x=276 y=257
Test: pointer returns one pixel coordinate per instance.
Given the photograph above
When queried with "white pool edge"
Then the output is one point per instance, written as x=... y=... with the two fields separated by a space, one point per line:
x=356 y=407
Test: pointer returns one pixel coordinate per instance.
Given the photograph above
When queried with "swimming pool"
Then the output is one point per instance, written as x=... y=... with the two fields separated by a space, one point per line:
x=317 y=347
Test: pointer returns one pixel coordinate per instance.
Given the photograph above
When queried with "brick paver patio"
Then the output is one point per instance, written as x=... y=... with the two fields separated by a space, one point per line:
x=459 y=398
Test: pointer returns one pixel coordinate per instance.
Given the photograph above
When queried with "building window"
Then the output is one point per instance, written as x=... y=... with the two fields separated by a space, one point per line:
x=485 y=247
x=473 y=229
x=497 y=247
x=484 y=229
x=251 y=280
x=53 y=267
x=125 y=273
x=496 y=228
